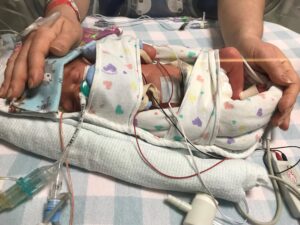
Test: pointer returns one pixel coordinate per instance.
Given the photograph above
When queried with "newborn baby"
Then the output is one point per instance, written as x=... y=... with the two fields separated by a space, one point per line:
x=77 y=72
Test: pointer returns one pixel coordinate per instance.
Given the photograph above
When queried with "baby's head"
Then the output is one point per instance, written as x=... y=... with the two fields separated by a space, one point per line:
x=73 y=77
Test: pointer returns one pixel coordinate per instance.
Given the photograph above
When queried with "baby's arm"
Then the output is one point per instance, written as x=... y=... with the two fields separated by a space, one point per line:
x=232 y=62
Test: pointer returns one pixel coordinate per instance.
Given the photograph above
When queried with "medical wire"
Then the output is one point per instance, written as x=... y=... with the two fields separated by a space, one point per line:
x=174 y=124
x=291 y=167
x=69 y=177
x=9 y=178
x=109 y=21
x=279 y=203
x=75 y=134
x=229 y=219
x=276 y=149
x=162 y=173
x=288 y=184
x=196 y=168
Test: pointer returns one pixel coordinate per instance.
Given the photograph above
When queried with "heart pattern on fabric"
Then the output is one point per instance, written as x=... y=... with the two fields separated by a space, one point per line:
x=230 y=141
x=191 y=54
x=129 y=66
x=119 y=110
x=109 y=69
x=177 y=138
x=228 y=105
x=158 y=127
x=107 y=84
x=259 y=112
x=197 y=122
x=200 y=78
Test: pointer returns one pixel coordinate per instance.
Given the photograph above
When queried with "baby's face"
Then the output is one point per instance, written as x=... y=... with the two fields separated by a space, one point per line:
x=73 y=76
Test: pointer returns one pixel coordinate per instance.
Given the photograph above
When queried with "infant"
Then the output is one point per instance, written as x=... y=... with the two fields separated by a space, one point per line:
x=78 y=76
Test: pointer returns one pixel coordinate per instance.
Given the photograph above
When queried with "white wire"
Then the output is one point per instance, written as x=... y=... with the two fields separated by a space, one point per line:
x=13 y=12
x=9 y=31
x=133 y=22
x=229 y=219
x=289 y=185
x=279 y=204
x=226 y=218
x=8 y=178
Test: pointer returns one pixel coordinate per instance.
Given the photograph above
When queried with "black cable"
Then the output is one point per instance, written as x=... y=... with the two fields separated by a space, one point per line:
x=289 y=167
x=283 y=155
x=175 y=126
x=283 y=147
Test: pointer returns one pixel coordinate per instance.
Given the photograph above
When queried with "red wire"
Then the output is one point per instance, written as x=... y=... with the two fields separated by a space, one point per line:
x=70 y=183
x=142 y=154
x=162 y=173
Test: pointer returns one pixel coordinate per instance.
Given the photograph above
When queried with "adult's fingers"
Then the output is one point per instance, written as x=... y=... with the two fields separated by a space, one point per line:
x=8 y=71
x=282 y=119
x=39 y=50
x=20 y=74
x=285 y=106
x=288 y=99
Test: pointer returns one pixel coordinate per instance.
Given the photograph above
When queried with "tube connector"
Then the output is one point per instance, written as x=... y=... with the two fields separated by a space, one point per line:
x=26 y=187
x=202 y=211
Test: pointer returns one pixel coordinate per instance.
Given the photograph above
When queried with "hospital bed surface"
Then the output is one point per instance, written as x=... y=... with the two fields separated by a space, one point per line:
x=104 y=200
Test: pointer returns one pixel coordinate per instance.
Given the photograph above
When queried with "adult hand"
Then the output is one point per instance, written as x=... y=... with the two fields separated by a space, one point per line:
x=268 y=59
x=26 y=65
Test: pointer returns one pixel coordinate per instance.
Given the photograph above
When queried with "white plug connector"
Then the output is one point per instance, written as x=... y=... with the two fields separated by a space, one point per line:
x=202 y=211
x=291 y=176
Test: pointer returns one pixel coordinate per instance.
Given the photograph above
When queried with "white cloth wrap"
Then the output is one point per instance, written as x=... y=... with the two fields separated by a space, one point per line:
x=209 y=117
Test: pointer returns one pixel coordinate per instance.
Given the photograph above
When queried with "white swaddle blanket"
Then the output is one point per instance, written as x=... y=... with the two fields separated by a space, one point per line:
x=207 y=115
x=213 y=121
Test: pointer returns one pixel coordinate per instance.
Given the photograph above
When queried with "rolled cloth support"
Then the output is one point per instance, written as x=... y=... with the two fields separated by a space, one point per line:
x=115 y=154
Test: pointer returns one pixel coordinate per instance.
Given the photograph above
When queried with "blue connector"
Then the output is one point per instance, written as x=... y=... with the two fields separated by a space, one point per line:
x=50 y=206
x=26 y=187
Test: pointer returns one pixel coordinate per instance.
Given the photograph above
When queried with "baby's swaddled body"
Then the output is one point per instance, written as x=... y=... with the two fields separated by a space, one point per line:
x=207 y=114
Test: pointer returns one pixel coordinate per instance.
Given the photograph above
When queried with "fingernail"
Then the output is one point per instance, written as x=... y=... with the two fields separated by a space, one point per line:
x=280 y=122
x=9 y=93
x=287 y=80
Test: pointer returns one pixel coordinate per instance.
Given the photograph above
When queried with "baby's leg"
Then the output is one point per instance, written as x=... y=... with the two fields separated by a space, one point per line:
x=232 y=62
